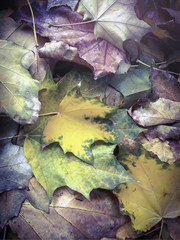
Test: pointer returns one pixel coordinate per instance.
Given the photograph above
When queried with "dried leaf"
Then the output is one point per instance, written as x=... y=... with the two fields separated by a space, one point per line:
x=15 y=171
x=162 y=111
x=71 y=217
x=116 y=21
x=102 y=56
x=54 y=3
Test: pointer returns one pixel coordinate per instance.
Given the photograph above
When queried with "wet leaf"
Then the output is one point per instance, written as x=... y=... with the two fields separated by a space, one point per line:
x=101 y=56
x=71 y=217
x=15 y=171
x=156 y=194
x=18 y=90
x=116 y=21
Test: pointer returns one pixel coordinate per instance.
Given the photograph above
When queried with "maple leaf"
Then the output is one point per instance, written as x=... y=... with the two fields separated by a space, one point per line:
x=15 y=171
x=71 y=216
x=125 y=125
x=162 y=111
x=116 y=20
x=23 y=36
x=101 y=56
x=52 y=168
x=18 y=90
x=125 y=83
x=79 y=123
x=54 y=3
x=156 y=194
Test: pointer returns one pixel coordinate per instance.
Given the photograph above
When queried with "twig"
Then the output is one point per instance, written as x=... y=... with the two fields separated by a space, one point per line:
x=139 y=61
x=160 y=233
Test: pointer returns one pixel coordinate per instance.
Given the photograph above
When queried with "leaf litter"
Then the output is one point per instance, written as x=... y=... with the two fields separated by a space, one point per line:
x=146 y=125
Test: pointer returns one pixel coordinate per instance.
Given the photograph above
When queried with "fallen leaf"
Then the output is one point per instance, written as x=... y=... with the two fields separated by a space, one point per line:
x=10 y=205
x=55 y=3
x=173 y=227
x=23 y=36
x=102 y=56
x=125 y=232
x=162 y=141
x=125 y=125
x=79 y=123
x=115 y=21
x=71 y=217
x=162 y=111
x=156 y=194
x=164 y=85
x=125 y=83
x=112 y=97
x=174 y=13
x=15 y=170
x=160 y=148
x=55 y=92
x=52 y=168
x=18 y=90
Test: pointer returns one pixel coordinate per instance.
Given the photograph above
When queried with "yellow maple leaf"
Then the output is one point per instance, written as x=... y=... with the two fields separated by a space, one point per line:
x=79 y=123
x=156 y=195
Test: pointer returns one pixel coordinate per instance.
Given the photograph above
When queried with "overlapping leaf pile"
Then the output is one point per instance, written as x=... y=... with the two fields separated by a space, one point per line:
x=106 y=115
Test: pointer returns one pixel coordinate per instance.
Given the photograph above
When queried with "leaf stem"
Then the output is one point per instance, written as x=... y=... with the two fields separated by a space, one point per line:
x=161 y=70
x=72 y=24
x=48 y=114
x=160 y=233
x=11 y=137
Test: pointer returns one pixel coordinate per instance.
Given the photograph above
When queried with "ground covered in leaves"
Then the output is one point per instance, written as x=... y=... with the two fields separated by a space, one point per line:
x=90 y=119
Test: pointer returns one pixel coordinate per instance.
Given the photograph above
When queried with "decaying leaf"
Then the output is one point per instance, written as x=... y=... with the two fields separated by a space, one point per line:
x=55 y=3
x=71 y=217
x=125 y=125
x=23 y=36
x=18 y=90
x=173 y=227
x=162 y=111
x=79 y=123
x=163 y=141
x=10 y=205
x=100 y=55
x=115 y=21
x=15 y=171
x=156 y=195
x=134 y=84
x=164 y=85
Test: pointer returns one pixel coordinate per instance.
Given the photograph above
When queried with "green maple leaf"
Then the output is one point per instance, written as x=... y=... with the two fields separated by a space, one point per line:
x=18 y=91
x=52 y=168
x=115 y=20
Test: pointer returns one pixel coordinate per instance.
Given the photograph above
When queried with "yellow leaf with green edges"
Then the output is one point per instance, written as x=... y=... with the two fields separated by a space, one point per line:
x=156 y=195
x=79 y=123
